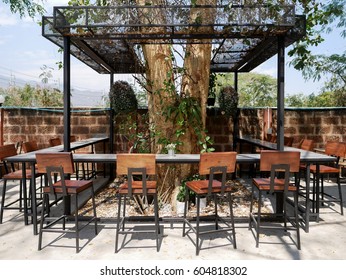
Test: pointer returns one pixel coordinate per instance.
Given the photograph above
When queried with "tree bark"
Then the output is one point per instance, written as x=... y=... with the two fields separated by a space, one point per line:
x=195 y=83
x=159 y=69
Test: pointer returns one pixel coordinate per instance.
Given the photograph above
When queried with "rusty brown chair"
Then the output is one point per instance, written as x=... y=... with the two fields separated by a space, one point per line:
x=278 y=165
x=213 y=166
x=307 y=144
x=56 y=141
x=336 y=149
x=61 y=164
x=88 y=169
x=140 y=170
x=12 y=173
x=29 y=146
x=288 y=141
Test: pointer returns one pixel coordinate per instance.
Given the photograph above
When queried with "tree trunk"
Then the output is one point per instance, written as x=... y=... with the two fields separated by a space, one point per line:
x=195 y=83
x=159 y=70
x=197 y=66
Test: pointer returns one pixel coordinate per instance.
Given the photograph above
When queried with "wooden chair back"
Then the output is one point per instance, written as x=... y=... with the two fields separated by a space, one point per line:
x=30 y=146
x=307 y=144
x=62 y=159
x=335 y=149
x=8 y=150
x=209 y=160
x=288 y=141
x=269 y=158
x=126 y=161
x=272 y=138
x=55 y=141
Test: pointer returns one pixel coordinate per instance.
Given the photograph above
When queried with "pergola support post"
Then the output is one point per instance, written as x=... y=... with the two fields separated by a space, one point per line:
x=67 y=94
x=236 y=118
x=281 y=93
x=111 y=116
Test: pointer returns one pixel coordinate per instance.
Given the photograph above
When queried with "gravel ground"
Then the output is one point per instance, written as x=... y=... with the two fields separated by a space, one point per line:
x=106 y=202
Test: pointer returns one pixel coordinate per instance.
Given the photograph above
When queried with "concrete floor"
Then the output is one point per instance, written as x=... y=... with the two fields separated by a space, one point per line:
x=326 y=240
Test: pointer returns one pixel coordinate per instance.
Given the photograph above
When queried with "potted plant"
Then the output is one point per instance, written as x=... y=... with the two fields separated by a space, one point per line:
x=122 y=98
x=171 y=149
x=212 y=90
x=180 y=200
x=228 y=101
x=192 y=197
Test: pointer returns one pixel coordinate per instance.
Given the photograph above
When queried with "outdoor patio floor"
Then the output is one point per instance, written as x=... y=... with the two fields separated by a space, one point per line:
x=325 y=241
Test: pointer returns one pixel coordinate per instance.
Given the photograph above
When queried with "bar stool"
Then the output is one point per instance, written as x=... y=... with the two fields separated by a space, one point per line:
x=277 y=163
x=11 y=173
x=87 y=173
x=56 y=141
x=137 y=167
x=307 y=144
x=61 y=164
x=28 y=147
x=336 y=149
x=212 y=165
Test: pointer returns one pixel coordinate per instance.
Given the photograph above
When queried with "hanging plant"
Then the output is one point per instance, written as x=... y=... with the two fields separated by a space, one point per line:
x=212 y=90
x=228 y=101
x=122 y=98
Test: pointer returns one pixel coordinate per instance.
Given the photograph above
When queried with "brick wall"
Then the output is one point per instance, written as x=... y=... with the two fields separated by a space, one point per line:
x=321 y=125
x=26 y=124
x=318 y=124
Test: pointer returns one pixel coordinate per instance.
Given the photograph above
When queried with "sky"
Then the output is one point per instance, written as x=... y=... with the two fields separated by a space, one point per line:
x=24 y=51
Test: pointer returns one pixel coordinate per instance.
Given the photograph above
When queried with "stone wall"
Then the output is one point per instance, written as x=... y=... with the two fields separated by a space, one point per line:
x=26 y=124
x=321 y=125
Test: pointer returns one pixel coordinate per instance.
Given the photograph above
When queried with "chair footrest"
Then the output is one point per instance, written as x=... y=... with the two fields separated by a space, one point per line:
x=229 y=227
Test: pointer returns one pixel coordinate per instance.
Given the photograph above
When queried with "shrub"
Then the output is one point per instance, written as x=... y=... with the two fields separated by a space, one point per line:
x=228 y=101
x=122 y=98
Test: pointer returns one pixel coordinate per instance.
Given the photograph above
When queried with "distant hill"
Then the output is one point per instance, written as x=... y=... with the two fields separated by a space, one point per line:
x=79 y=98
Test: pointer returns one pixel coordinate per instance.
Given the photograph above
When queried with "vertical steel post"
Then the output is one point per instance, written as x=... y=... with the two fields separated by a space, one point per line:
x=236 y=118
x=281 y=93
x=67 y=94
x=111 y=116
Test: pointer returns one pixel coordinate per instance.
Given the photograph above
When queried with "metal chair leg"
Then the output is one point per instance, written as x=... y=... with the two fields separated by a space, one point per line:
x=45 y=204
x=258 y=218
x=297 y=219
x=76 y=224
x=185 y=210
x=118 y=224
x=216 y=214
x=94 y=208
x=3 y=201
x=340 y=196
x=157 y=225
x=197 y=226
x=230 y=201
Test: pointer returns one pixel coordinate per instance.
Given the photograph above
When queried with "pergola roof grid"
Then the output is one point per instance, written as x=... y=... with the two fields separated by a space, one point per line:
x=107 y=38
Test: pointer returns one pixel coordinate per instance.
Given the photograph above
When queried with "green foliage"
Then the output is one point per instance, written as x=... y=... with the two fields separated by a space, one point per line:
x=205 y=144
x=122 y=98
x=23 y=8
x=255 y=90
x=212 y=85
x=181 y=194
x=228 y=101
x=324 y=99
x=140 y=137
x=322 y=18
x=182 y=188
x=185 y=111
x=30 y=96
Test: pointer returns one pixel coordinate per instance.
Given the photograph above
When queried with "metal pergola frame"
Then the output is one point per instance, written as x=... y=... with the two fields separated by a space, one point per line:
x=108 y=39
